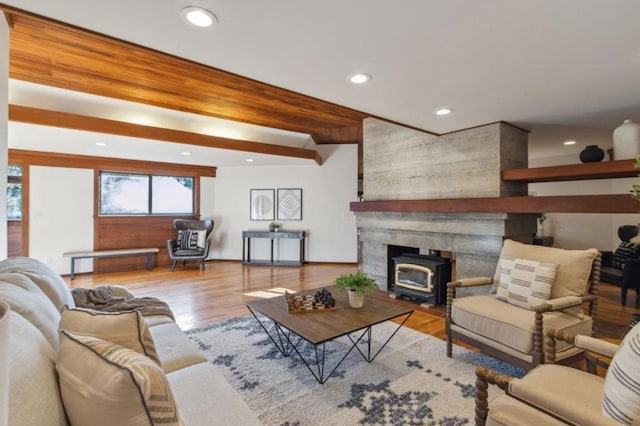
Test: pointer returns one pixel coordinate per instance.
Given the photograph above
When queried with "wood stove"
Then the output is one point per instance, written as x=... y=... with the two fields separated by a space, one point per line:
x=422 y=277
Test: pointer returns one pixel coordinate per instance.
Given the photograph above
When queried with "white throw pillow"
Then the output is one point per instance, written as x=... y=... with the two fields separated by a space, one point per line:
x=202 y=238
x=621 y=391
x=524 y=282
x=104 y=384
x=127 y=329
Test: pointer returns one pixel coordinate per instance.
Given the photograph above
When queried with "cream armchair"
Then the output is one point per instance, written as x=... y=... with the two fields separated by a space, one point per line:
x=552 y=394
x=508 y=322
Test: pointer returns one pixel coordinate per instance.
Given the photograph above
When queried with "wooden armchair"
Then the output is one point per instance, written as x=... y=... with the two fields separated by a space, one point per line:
x=552 y=394
x=192 y=241
x=509 y=325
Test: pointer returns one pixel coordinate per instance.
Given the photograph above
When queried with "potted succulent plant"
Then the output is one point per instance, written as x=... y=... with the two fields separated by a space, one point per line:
x=357 y=285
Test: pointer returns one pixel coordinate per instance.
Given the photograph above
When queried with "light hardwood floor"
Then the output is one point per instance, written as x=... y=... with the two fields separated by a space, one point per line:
x=221 y=291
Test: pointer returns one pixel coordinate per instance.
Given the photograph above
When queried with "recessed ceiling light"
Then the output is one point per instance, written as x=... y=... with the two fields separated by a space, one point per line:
x=185 y=153
x=249 y=160
x=444 y=111
x=359 y=78
x=569 y=142
x=198 y=16
x=101 y=144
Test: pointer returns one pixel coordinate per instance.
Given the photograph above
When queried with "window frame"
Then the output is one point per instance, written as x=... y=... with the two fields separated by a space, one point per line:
x=150 y=177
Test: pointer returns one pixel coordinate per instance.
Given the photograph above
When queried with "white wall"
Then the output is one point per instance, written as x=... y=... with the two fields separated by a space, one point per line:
x=60 y=215
x=4 y=120
x=61 y=210
x=582 y=230
x=327 y=191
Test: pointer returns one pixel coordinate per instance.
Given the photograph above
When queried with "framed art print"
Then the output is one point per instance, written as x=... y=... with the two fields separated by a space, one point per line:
x=262 y=204
x=289 y=204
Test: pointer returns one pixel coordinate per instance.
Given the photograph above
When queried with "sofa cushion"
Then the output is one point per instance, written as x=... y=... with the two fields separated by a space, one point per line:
x=524 y=282
x=508 y=411
x=202 y=388
x=29 y=301
x=621 y=392
x=548 y=385
x=34 y=397
x=43 y=276
x=510 y=324
x=572 y=278
x=175 y=350
x=103 y=383
x=127 y=329
x=5 y=311
x=625 y=251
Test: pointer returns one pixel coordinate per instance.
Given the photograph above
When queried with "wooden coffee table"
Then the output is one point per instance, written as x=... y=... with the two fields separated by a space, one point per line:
x=287 y=330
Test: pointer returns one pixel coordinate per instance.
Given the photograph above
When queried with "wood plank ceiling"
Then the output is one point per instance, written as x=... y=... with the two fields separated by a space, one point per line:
x=56 y=54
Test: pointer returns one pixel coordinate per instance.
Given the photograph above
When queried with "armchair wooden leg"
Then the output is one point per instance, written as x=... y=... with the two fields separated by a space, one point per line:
x=482 y=396
x=624 y=295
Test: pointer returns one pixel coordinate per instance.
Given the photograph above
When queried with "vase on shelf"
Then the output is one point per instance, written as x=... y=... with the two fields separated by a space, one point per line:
x=626 y=140
x=591 y=154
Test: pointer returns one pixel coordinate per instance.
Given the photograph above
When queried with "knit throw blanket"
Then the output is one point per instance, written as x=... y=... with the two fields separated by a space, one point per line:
x=102 y=298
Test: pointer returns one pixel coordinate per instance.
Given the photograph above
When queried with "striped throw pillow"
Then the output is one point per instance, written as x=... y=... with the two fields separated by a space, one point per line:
x=127 y=329
x=621 y=391
x=104 y=384
x=188 y=239
x=524 y=282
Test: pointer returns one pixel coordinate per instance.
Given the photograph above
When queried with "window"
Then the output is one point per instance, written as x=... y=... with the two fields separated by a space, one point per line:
x=137 y=194
x=14 y=192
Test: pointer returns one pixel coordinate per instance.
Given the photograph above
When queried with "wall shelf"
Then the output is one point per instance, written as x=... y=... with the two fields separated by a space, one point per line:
x=610 y=203
x=583 y=171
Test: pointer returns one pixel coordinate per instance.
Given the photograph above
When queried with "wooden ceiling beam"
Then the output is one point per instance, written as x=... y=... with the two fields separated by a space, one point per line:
x=49 y=52
x=66 y=120
x=55 y=159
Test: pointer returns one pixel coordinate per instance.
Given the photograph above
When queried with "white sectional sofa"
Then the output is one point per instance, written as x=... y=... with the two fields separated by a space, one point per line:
x=41 y=368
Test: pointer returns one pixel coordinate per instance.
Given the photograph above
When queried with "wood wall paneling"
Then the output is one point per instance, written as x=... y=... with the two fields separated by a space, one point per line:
x=14 y=238
x=117 y=232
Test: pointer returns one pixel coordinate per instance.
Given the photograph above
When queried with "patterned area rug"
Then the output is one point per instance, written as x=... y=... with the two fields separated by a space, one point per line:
x=411 y=381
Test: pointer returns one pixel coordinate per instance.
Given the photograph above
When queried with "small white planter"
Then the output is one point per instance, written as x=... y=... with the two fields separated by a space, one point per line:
x=356 y=300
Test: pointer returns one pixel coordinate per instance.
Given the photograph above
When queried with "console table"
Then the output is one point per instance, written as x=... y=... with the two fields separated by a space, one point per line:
x=292 y=235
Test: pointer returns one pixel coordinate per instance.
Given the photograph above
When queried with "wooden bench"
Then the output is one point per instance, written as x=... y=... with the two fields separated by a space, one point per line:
x=110 y=253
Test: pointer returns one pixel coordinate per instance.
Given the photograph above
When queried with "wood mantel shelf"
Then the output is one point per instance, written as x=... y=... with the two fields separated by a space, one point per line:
x=610 y=203
x=600 y=170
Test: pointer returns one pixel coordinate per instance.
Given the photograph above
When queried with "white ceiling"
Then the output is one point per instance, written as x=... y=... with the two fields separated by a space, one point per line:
x=535 y=63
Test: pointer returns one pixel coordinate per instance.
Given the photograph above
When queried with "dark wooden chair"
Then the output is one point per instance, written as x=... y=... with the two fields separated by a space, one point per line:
x=192 y=241
x=621 y=268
